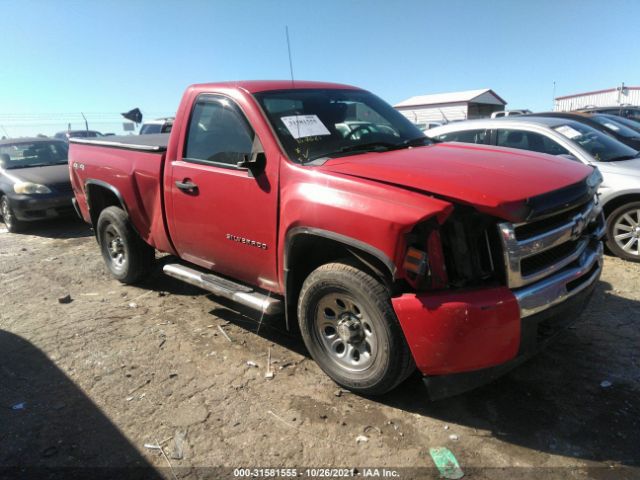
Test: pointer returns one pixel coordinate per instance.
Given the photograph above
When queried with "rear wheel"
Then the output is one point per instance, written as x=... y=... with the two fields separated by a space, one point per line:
x=623 y=232
x=127 y=256
x=351 y=331
x=11 y=222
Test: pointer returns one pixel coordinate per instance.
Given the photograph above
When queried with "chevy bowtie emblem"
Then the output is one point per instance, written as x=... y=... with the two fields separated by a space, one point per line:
x=579 y=222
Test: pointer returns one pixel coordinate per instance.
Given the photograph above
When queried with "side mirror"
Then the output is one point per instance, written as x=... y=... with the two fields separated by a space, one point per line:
x=255 y=161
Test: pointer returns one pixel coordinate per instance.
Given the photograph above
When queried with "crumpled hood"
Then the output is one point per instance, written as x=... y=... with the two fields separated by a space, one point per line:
x=49 y=175
x=497 y=181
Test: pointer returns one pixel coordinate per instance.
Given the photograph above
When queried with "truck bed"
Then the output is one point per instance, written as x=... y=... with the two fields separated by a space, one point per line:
x=156 y=142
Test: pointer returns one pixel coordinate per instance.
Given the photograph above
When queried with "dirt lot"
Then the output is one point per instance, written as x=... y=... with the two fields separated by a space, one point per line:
x=89 y=383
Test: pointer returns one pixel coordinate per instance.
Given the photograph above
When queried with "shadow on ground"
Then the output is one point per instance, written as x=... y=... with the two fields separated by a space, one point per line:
x=50 y=428
x=554 y=403
x=62 y=228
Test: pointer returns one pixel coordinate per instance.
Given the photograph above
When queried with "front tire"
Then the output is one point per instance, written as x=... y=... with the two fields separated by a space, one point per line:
x=623 y=232
x=127 y=256
x=351 y=331
x=11 y=222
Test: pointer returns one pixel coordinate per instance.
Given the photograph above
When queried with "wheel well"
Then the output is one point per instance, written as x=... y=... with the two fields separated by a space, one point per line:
x=306 y=252
x=614 y=203
x=99 y=198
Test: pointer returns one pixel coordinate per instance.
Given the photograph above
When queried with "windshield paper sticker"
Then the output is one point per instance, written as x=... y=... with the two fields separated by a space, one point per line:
x=305 y=126
x=568 y=132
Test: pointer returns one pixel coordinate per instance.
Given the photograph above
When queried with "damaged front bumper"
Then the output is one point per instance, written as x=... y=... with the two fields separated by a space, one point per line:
x=461 y=340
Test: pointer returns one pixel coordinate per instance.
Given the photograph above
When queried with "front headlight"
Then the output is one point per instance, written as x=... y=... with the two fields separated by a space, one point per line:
x=595 y=179
x=29 y=188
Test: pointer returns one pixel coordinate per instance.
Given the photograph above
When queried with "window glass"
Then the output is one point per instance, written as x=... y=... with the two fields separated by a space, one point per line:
x=466 y=136
x=218 y=132
x=326 y=123
x=533 y=141
x=150 y=128
x=635 y=126
x=600 y=146
x=33 y=154
x=614 y=125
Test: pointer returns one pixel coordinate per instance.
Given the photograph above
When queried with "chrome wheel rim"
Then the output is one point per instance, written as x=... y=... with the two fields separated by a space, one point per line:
x=346 y=332
x=115 y=247
x=626 y=232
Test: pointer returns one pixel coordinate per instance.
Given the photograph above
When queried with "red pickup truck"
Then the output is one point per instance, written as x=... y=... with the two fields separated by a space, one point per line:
x=322 y=202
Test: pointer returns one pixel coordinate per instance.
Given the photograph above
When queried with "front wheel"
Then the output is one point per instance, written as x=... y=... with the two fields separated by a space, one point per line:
x=126 y=255
x=11 y=222
x=351 y=331
x=623 y=232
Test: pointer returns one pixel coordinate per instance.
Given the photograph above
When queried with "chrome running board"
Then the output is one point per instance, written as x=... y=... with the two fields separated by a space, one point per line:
x=222 y=287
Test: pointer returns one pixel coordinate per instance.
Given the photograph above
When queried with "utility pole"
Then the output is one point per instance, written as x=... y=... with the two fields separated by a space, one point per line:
x=553 y=97
x=86 y=124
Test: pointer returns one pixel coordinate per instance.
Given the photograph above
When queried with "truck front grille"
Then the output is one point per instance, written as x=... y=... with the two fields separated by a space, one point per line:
x=547 y=258
x=533 y=251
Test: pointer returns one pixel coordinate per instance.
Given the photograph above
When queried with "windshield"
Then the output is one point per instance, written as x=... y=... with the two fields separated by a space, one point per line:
x=32 y=154
x=615 y=126
x=632 y=124
x=602 y=147
x=320 y=123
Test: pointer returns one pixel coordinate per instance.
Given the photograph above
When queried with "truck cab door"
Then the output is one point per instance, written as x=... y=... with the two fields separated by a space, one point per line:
x=221 y=194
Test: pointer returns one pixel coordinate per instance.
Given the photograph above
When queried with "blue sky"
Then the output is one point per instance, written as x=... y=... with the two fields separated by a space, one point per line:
x=105 y=57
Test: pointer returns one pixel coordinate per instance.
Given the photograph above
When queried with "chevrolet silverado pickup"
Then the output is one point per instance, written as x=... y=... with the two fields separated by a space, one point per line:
x=388 y=252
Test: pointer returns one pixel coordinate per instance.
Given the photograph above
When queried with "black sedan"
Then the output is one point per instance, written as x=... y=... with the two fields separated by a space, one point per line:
x=34 y=181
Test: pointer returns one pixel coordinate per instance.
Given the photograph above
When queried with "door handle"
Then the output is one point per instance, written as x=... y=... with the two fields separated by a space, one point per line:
x=187 y=186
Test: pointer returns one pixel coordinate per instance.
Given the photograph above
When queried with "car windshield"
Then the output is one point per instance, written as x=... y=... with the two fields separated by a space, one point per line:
x=632 y=124
x=320 y=123
x=32 y=154
x=615 y=125
x=602 y=147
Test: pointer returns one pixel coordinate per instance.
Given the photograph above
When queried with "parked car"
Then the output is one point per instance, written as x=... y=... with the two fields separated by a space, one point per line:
x=160 y=125
x=627 y=122
x=626 y=111
x=34 y=181
x=619 y=164
x=387 y=249
x=509 y=113
x=77 y=134
x=608 y=124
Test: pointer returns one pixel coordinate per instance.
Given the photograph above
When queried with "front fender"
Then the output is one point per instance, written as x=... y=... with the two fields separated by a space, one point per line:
x=373 y=216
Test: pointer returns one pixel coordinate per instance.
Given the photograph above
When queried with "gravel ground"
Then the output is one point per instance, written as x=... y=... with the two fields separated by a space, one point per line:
x=90 y=382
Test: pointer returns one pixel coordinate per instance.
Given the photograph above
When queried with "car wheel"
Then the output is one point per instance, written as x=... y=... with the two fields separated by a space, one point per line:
x=623 y=232
x=351 y=330
x=127 y=256
x=11 y=222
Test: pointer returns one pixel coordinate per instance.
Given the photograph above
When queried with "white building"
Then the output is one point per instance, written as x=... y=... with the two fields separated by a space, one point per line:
x=621 y=95
x=447 y=107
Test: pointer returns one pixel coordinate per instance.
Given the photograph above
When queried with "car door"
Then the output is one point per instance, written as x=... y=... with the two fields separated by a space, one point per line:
x=223 y=216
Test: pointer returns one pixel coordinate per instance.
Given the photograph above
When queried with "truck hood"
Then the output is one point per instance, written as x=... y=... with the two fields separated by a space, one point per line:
x=496 y=181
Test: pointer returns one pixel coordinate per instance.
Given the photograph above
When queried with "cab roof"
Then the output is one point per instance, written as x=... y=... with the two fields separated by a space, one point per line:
x=255 y=86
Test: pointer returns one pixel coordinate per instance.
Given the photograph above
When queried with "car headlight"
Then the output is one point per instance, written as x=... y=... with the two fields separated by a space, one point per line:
x=29 y=188
x=595 y=179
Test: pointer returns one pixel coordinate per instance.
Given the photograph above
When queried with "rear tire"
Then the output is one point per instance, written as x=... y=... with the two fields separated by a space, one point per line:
x=127 y=256
x=623 y=232
x=11 y=222
x=351 y=330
